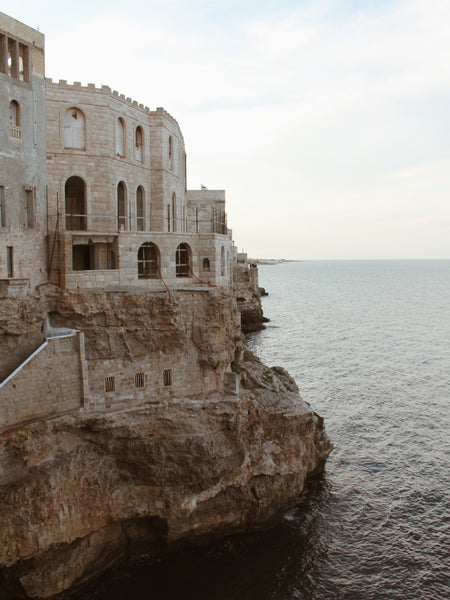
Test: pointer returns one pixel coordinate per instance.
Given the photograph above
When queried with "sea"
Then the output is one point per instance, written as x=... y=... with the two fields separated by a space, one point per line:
x=368 y=343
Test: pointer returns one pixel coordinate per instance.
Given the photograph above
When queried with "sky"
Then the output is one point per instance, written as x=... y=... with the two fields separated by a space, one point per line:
x=327 y=122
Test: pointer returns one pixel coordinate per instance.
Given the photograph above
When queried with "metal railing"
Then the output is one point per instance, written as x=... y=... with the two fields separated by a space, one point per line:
x=15 y=133
x=111 y=223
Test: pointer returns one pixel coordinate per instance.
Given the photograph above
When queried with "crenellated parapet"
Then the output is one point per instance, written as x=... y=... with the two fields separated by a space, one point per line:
x=103 y=89
x=108 y=91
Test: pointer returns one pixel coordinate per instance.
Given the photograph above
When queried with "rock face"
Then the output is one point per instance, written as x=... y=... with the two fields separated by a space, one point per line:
x=79 y=492
x=248 y=297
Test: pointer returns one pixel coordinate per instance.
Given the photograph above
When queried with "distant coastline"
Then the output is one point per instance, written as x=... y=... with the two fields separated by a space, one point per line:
x=271 y=261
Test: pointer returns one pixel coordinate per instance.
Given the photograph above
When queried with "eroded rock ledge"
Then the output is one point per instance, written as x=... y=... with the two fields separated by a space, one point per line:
x=80 y=492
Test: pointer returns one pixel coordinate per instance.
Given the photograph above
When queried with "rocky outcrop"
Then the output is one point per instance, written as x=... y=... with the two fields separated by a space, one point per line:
x=81 y=491
x=248 y=297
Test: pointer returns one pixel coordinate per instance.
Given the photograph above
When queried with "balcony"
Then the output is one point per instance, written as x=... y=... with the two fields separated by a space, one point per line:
x=15 y=133
x=123 y=224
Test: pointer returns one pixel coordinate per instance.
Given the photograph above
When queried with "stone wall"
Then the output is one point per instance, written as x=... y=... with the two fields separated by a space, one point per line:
x=22 y=158
x=131 y=340
x=139 y=347
x=247 y=294
x=158 y=171
x=151 y=169
x=49 y=382
x=125 y=276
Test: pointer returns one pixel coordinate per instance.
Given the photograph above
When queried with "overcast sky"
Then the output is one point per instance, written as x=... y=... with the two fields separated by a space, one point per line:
x=326 y=121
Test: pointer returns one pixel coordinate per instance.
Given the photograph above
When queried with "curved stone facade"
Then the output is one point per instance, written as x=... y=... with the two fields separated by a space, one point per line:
x=116 y=181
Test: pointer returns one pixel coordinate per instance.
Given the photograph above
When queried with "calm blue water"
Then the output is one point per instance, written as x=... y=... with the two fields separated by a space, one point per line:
x=369 y=346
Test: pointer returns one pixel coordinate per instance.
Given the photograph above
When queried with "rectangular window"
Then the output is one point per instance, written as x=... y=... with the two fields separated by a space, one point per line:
x=10 y=261
x=83 y=257
x=23 y=62
x=10 y=56
x=13 y=58
x=28 y=209
x=167 y=377
x=110 y=384
x=140 y=221
x=139 y=380
x=3 y=54
x=2 y=207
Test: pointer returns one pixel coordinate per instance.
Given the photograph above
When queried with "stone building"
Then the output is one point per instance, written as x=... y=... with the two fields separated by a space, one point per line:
x=119 y=212
x=116 y=212
x=93 y=200
x=22 y=158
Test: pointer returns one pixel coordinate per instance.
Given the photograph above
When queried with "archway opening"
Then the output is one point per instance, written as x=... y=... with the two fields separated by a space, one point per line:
x=75 y=203
x=183 y=260
x=122 y=206
x=148 y=261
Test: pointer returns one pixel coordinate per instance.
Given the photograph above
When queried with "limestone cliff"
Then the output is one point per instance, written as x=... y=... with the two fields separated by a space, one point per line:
x=248 y=297
x=79 y=492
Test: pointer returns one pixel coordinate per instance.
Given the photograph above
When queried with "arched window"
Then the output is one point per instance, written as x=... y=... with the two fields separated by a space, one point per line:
x=74 y=129
x=170 y=152
x=227 y=264
x=174 y=212
x=120 y=137
x=122 y=219
x=148 y=261
x=140 y=209
x=183 y=260
x=222 y=262
x=75 y=203
x=206 y=265
x=15 y=131
x=139 y=144
x=14 y=113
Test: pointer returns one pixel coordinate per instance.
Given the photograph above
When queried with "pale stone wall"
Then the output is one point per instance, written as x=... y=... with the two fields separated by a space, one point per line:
x=22 y=161
x=99 y=165
x=169 y=221
x=186 y=379
x=168 y=173
x=49 y=383
x=245 y=278
x=37 y=157
x=125 y=276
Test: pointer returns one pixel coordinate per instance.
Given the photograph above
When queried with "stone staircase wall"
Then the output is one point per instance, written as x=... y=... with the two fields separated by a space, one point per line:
x=48 y=382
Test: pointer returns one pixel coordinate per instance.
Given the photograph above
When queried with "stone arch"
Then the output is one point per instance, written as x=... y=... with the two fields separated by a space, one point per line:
x=183 y=260
x=120 y=138
x=140 y=209
x=14 y=114
x=206 y=265
x=74 y=129
x=122 y=213
x=148 y=261
x=139 y=142
x=170 y=152
x=75 y=203
x=174 y=212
